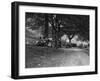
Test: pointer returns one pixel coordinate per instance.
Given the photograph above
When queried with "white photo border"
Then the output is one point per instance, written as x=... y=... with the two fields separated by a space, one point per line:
x=54 y=70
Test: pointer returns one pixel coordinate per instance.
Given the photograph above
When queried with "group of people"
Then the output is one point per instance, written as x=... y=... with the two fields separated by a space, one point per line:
x=44 y=42
x=48 y=42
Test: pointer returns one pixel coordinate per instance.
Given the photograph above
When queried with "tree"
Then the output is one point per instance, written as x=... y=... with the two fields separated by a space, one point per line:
x=56 y=25
x=76 y=24
x=55 y=21
x=46 y=27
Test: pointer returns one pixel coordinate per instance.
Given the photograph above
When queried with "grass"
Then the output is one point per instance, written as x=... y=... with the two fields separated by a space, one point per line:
x=52 y=57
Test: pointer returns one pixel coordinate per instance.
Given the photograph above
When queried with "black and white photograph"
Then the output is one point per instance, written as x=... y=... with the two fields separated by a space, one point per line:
x=51 y=40
x=56 y=40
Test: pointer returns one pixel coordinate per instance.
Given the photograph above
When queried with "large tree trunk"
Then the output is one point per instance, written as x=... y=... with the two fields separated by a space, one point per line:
x=70 y=37
x=54 y=42
x=70 y=40
x=55 y=32
x=46 y=27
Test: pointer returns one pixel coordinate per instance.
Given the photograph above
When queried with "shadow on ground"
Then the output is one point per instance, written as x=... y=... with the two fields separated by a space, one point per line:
x=51 y=57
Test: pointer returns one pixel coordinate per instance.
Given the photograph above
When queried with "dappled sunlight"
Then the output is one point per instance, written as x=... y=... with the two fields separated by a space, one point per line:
x=56 y=40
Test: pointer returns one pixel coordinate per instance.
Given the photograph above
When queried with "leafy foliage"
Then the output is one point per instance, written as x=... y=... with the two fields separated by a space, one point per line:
x=56 y=25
